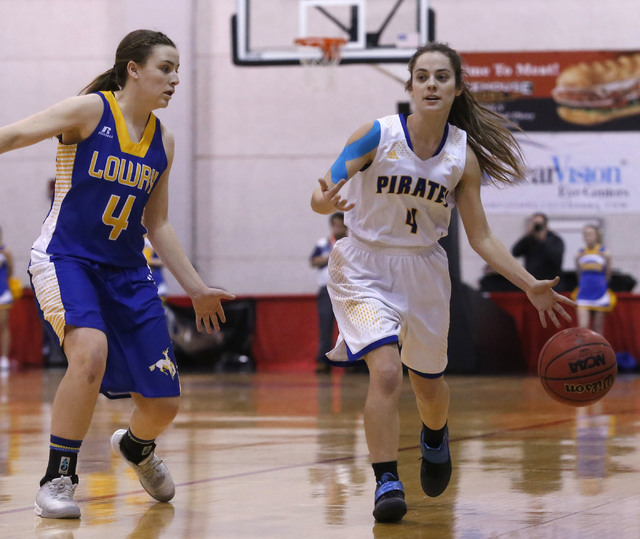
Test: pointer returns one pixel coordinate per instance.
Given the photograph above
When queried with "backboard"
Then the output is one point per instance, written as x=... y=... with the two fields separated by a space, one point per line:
x=377 y=31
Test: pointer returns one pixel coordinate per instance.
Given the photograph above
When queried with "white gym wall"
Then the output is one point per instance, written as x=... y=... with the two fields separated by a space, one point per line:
x=252 y=141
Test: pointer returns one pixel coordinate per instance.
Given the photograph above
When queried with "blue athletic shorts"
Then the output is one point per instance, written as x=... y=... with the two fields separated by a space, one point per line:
x=124 y=304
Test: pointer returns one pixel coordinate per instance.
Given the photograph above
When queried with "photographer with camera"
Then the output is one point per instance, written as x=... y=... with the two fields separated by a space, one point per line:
x=541 y=248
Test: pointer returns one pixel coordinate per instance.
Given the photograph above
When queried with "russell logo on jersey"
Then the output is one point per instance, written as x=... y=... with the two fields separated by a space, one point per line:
x=105 y=131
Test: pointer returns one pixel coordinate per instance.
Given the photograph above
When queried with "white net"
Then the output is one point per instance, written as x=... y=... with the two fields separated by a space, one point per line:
x=320 y=57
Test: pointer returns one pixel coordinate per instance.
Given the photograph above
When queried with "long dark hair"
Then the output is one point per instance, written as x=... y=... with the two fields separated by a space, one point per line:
x=135 y=47
x=498 y=152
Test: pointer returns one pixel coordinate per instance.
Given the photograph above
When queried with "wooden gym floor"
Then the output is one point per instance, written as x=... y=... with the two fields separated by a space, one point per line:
x=284 y=455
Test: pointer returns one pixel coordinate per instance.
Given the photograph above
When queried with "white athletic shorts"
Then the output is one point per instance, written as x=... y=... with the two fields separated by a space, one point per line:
x=383 y=295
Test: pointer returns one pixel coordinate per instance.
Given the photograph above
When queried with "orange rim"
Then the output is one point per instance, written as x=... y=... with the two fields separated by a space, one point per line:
x=330 y=46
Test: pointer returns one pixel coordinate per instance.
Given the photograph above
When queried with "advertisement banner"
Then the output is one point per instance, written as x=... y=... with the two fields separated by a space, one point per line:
x=573 y=174
x=559 y=91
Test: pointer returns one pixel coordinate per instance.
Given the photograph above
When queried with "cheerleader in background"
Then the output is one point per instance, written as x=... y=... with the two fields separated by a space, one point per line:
x=593 y=266
x=6 y=302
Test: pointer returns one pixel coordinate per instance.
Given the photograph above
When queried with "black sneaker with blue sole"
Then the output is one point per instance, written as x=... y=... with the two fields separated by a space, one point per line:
x=435 y=471
x=389 y=499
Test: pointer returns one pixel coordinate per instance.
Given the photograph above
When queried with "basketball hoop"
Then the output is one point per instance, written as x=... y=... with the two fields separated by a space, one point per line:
x=320 y=52
x=329 y=48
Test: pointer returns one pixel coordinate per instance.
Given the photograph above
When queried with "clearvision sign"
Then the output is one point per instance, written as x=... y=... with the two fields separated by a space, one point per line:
x=574 y=174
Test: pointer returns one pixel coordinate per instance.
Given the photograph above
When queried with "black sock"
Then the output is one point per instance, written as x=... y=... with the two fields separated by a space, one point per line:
x=380 y=468
x=63 y=457
x=433 y=438
x=135 y=449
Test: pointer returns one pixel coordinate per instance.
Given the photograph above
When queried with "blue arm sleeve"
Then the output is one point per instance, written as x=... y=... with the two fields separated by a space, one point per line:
x=356 y=149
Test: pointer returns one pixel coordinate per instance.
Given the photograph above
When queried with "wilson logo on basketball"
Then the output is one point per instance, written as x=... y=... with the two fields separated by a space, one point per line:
x=587 y=363
x=593 y=387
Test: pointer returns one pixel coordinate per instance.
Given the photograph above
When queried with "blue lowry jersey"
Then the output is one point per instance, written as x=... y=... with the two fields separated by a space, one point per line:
x=102 y=186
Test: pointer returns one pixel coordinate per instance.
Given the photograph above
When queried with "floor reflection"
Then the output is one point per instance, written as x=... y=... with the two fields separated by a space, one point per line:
x=593 y=429
x=284 y=455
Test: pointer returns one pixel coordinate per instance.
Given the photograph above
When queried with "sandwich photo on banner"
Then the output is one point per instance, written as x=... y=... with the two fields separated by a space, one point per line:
x=559 y=91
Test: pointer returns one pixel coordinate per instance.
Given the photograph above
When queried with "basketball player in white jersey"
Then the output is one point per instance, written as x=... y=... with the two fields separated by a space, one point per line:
x=389 y=281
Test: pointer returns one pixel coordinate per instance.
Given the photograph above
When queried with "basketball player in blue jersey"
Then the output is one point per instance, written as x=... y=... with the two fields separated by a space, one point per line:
x=88 y=271
x=389 y=281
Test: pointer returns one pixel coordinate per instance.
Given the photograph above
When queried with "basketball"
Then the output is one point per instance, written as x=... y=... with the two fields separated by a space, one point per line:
x=577 y=366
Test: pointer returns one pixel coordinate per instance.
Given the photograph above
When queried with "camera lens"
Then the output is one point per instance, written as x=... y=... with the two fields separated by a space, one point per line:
x=538 y=227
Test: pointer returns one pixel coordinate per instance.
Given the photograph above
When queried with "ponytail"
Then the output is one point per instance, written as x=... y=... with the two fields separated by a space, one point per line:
x=499 y=154
x=106 y=82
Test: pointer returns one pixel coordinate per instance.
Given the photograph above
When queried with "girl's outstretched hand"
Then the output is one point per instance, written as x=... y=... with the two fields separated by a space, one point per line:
x=548 y=302
x=208 y=309
x=331 y=196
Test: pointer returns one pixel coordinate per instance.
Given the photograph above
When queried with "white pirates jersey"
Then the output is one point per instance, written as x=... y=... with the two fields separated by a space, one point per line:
x=400 y=199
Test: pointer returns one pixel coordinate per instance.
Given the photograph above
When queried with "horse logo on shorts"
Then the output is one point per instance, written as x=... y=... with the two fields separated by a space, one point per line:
x=165 y=365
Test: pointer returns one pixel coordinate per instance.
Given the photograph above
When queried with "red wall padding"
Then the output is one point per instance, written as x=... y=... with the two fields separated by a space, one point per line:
x=286 y=331
x=619 y=329
x=26 y=331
